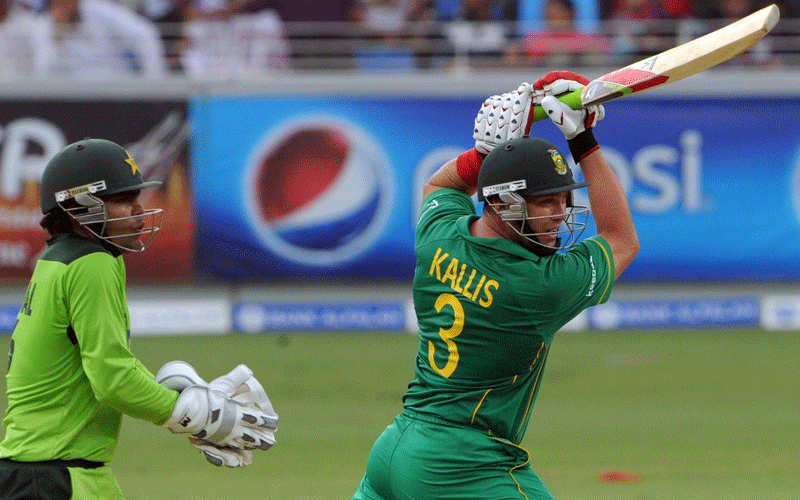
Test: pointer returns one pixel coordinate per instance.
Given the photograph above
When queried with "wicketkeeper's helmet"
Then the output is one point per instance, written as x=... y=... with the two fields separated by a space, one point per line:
x=529 y=166
x=78 y=177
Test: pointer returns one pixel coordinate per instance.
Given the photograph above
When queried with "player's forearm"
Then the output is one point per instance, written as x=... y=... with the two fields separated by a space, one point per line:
x=610 y=210
x=450 y=176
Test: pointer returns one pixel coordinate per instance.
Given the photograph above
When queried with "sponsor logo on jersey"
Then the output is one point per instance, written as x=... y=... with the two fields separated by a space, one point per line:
x=319 y=191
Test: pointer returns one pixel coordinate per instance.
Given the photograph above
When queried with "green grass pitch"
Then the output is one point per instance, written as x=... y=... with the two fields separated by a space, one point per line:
x=711 y=415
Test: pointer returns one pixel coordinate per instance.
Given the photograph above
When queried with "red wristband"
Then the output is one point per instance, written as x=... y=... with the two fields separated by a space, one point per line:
x=468 y=164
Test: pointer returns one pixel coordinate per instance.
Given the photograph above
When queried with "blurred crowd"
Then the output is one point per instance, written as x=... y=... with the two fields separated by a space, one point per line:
x=225 y=38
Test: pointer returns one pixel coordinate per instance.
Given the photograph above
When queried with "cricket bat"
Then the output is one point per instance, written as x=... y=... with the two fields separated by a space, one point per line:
x=674 y=64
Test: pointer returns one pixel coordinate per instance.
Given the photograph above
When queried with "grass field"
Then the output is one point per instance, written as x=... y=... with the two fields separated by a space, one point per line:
x=695 y=415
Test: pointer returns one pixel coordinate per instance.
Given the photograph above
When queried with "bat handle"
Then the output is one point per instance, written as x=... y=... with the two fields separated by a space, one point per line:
x=571 y=99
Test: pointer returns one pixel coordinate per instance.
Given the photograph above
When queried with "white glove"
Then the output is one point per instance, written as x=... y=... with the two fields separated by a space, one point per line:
x=572 y=121
x=211 y=413
x=502 y=118
x=554 y=88
x=223 y=456
x=178 y=375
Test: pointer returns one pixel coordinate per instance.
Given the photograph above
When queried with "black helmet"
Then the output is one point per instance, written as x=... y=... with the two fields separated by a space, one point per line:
x=530 y=166
x=85 y=171
x=90 y=166
x=527 y=166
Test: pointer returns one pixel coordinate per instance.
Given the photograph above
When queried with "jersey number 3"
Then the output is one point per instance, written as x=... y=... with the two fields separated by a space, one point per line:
x=448 y=299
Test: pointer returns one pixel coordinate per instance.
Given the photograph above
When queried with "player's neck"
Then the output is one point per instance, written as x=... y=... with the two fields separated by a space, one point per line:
x=487 y=227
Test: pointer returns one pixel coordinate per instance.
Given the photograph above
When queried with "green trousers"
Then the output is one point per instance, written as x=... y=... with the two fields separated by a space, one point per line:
x=418 y=458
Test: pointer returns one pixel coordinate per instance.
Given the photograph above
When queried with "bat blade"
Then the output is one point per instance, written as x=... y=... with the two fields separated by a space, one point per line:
x=684 y=60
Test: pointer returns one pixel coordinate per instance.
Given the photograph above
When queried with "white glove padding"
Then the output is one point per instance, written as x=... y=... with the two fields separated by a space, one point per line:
x=211 y=413
x=556 y=88
x=502 y=118
x=178 y=375
x=572 y=121
x=223 y=456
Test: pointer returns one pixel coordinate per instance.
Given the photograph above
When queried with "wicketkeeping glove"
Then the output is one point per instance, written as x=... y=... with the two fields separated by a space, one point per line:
x=503 y=117
x=223 y=456
x=214 y=413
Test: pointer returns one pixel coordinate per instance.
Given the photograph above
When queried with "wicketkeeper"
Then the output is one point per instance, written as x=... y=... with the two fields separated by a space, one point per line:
x=71 y=374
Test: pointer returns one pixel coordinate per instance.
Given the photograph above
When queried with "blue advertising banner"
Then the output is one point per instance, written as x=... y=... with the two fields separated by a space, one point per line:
x=676 y=313
x=330 y=187
x=255 y=317
x=8 y=317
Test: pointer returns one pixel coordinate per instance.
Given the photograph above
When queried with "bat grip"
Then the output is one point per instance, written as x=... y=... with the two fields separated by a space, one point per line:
x=571 y=99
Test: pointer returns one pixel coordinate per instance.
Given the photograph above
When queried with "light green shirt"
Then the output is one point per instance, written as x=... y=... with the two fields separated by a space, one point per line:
x=488 y=310
x=71 y=373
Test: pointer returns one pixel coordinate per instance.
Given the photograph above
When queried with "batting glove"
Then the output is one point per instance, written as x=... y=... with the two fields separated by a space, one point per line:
x=556 y=83
x=572 y=121
x=502 y=118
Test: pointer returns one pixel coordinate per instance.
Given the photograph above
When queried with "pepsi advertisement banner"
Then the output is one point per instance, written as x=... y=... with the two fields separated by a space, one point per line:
x=330 y=187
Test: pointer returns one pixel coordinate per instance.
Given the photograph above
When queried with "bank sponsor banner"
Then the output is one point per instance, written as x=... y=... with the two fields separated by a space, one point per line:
x=331 y=187
x=676 y=313
x=254 y=317
x=155 y=133
x=180 y=316
x=781 y=312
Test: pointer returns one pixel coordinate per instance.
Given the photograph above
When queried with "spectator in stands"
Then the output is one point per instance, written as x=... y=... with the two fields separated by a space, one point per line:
x=561 y=43
x=326 y=25
x=21 y=41
x=232 y=37
x=677 y=9
x=671 y=9
x=101 y=38
x=482 y=34
x=713 y=14
x=633 y=27
x=384 y=29
x=723 y=9
x=168 y=16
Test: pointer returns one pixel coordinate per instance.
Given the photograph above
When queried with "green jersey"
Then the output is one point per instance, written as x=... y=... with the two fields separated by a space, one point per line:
x=71 y=373
x=488 y=310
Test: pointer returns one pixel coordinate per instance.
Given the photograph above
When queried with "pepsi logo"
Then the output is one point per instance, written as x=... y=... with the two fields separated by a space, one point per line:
x=319 y=191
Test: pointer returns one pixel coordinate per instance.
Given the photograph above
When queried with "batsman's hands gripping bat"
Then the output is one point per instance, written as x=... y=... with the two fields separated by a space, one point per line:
x=570 y=121
x=238 y=414
x=503 y=117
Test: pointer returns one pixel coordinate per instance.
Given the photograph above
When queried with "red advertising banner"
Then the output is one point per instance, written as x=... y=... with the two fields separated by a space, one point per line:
x=155 y=133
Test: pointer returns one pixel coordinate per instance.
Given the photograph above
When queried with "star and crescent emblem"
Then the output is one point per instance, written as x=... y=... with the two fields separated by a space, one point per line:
x=130 y=161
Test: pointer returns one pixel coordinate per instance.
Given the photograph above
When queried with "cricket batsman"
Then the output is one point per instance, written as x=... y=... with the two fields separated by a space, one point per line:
x=490 y=292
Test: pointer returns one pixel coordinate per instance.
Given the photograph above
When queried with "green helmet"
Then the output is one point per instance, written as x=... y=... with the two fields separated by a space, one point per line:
x=527 y=166
x=530 y=166
x=86 y=171
x=90 y=166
